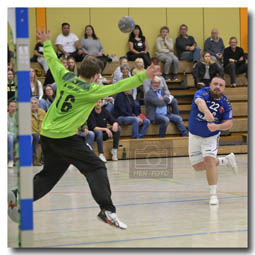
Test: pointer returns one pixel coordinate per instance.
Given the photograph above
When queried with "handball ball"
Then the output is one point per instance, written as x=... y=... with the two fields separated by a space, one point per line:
x=126 y=24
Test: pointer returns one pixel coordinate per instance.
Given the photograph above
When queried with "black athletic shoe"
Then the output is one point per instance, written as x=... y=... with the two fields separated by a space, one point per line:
x=111 y=219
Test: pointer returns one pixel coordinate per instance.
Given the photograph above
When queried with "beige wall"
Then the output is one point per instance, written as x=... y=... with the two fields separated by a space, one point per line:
x=227 y=20
x=200 y=21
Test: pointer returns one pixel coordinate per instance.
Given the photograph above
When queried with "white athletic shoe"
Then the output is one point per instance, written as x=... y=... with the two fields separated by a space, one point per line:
x=10 y=163
x=114 y=153
x=111 y=219
x=13 y=210
x=102 y=157
x=232 y=162
x=214 y=200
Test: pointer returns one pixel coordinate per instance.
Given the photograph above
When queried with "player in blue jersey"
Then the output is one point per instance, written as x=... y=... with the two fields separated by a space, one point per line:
x=211 y=112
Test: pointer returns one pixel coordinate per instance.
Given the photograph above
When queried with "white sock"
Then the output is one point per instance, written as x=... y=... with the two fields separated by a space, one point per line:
x=213 y=190
x=223 y=161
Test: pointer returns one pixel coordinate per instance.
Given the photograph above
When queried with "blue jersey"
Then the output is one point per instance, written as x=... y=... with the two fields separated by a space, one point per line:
x=220 y=108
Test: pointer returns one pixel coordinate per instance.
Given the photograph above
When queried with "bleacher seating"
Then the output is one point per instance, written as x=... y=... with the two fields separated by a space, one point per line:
x=173 y=144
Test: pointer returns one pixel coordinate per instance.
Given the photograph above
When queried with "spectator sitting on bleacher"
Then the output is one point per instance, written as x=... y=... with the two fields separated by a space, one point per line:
x=37 y=119
x=186 y=46
x=125 y=73
x=97 y=122
x=38 y=56
x=215 y=46
x=102 y=80
x=127 y=113
x=68 y=44
x=12 y=131
x=91 y=45
x=205 y=71
x=72 y=66
x=156 y=103
x=234 y=61
x=107 y=101
x=165 y=53
x=11 y=86
x=48 y=98
x=117 y=73
x=165 y=91
x=35 y=85
x=138 y=47
x=139 y=67
x=163 y=85
x=49 y=78
x=88 y=135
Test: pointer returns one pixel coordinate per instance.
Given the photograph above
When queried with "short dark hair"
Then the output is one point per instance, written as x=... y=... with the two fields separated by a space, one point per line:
x=89 y=67
x=183 y=25
x=65 y=24
x=164 y=28
x=123 y=57
x=11 y=101
x=232 y=38
x=219 y=77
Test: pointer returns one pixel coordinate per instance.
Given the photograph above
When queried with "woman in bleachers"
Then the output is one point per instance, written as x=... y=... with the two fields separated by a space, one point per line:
x=117 y=73
x=35 y=85
x=72 y=66
x=205 y=70
x=165 y=53
x=139 y=67
x=48 y=98
x=91 y=45
x=138 y=47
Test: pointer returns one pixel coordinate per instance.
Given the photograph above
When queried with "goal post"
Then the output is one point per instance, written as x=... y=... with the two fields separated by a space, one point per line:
x=19 y=23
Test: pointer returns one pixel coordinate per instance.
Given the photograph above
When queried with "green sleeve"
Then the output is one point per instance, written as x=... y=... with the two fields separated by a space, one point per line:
x=122 y=85
x=56 y=67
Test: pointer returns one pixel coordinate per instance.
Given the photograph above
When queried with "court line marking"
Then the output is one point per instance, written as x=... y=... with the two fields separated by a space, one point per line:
x=158 y=191
x=136 y=204
x=149 y=238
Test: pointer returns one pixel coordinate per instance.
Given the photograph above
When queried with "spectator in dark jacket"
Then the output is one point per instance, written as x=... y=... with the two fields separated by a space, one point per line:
x=97 y=122
x=186 y=46
x=205 y=70
x=234 y=61
x=127 y=113
x=156 y=110
x=215 y=46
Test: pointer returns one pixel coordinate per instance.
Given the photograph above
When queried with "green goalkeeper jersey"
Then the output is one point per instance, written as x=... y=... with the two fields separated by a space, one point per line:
x=75 y=97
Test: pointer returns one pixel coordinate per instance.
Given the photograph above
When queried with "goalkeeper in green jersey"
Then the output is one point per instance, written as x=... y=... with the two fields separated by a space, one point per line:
x=75 y=99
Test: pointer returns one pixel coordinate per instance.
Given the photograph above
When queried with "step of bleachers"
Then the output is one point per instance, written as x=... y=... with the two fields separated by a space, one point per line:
x=245 y=137
x=240 y=125
x=239 y=109
x=162 y=147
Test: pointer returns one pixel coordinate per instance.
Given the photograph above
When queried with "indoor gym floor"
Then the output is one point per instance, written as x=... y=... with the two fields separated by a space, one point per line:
x=165 y=212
